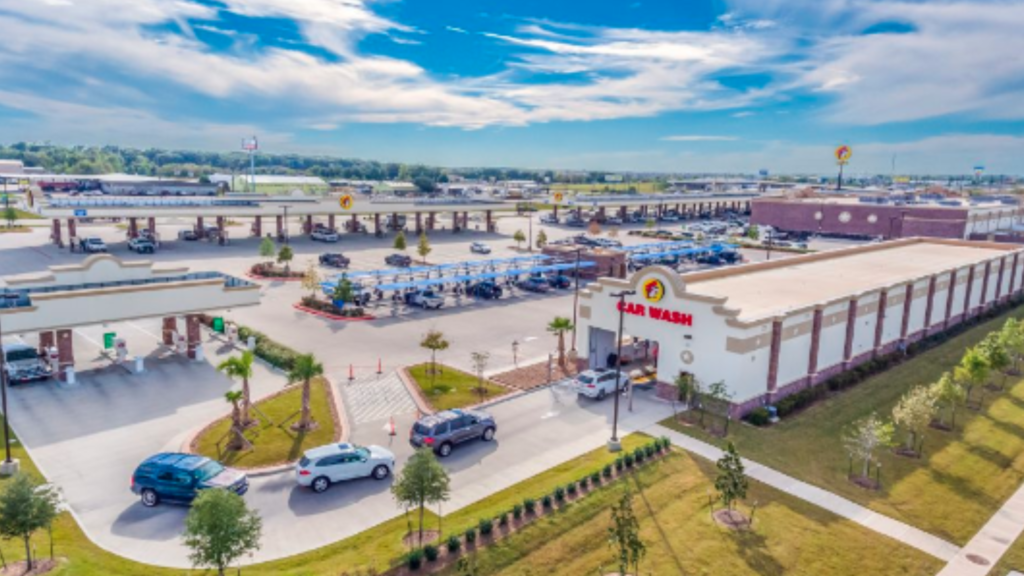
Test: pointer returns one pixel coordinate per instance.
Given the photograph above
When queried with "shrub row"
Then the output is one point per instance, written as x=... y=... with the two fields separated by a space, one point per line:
x=808 y=396
x=270 y=271
x=485 y=526
x=329 y=307
x=276 y=354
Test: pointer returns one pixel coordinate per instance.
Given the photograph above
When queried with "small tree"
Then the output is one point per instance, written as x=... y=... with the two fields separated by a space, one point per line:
x=685 y=384
x=423 y=248
x=972 y=371
x=267 y=249
x=284 y=256
x=10 y=214
x=542 y=239
x=400 y=241
x=304 y=370
x=434 y=341
x=240 y=367
x=914 y=414
x=718 y=395
x=559 y=326
x=650 y=223
x=311 y=279
x=997 y=356
x=624 y=534
x=865 y=436
x=220 y=529
x=948 y=395
x=25 y=508
x=480 y=360
x=1012 y=337
x=343 y=291
x=731 y=482
x=234 y=397
x=519 y=237
x=753 y=232
x=422 y=481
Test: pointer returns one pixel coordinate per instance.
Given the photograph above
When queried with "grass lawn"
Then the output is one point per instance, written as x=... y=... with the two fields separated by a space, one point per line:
x=964 y=476
x=275 y=442
x=1012 y=560
x=790 y=536
x=451 y=388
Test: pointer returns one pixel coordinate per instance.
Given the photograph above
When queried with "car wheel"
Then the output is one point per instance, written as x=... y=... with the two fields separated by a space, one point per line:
x=600 y=395
x=149 y=498
x=320 y=484
x=380 y=472
x=488 y=435
x=444 y=449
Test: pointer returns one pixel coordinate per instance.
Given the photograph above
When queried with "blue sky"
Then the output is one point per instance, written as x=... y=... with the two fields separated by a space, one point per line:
x=666 y=85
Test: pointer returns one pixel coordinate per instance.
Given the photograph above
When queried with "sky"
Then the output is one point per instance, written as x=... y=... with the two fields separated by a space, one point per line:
x=619 y=85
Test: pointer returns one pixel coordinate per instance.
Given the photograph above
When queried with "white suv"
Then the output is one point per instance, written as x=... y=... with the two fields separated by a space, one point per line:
x=323 y=466
x=325 y=235
x=597 y=384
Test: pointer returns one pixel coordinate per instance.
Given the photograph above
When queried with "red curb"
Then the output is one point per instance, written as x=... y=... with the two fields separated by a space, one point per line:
x=329 y=316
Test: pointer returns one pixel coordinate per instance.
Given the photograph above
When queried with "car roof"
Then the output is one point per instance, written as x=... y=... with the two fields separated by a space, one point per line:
x=329 y=450
x=446 y=415
x=177 y=460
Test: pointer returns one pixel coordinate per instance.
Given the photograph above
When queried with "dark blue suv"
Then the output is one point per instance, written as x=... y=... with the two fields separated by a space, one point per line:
x=179 y=478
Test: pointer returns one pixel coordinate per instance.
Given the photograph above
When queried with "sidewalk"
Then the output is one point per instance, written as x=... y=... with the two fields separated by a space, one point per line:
x=836 y=504
x=991 y=542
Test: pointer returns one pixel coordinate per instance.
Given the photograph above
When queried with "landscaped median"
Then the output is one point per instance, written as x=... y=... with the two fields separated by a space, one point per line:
x=273 y=441
x=443 y=387
x=962 y=478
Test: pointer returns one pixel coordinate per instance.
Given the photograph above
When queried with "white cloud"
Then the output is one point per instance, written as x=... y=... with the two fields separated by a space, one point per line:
x=456 y=30
x=698 y=138
x=743 y=114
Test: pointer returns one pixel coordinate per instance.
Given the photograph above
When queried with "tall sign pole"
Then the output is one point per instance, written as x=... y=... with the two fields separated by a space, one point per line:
x=843 y=154
x=251 y=146
x=9 y=465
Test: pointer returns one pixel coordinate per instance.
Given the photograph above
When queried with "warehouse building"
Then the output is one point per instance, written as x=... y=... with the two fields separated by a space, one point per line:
x=770 y=329
x=876 y=217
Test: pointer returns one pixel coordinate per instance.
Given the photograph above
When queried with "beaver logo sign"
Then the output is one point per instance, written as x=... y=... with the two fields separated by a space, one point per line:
x=346 y=202
x=558 y=197
x=653 y=290
x=843 y=154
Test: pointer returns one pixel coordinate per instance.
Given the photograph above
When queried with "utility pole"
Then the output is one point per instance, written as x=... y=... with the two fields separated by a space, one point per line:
x=9 y=465
x=576 y=298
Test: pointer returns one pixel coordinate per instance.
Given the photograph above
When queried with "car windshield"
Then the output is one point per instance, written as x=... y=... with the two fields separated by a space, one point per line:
x=585 y=378
x=21 y=354
x=208 y=470
x=362 y=452
x=428 y=294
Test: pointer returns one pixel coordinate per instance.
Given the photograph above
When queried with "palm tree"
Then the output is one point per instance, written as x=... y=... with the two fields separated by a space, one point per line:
x=237 y=440
x=240 y=367
x=559 y=326
x=305 y=369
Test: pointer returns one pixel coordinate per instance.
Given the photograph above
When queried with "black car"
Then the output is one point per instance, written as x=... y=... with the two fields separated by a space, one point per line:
x=398 y=260
x=442 y=431
x=487 y=290
x=560 y=281
x=334 y=260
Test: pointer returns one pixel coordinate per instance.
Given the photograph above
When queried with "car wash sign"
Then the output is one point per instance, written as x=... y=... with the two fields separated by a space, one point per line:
x=653 y=291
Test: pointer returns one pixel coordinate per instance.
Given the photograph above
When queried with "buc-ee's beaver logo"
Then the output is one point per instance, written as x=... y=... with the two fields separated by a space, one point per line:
x=654 y=290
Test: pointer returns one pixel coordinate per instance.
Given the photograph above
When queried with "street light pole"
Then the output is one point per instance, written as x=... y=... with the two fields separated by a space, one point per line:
x=529 y=219
x=9 y=465
x=576 y=298
x=613 y=444
x=284 y=229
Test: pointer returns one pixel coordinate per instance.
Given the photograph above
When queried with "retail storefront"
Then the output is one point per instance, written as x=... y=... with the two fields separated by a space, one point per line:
x=770 y=329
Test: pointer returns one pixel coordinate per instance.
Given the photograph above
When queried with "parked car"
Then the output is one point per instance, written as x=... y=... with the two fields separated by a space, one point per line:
x=479 y=248
x=584 y=240
x=533 y=285
x=398 y=260
x=175 y=477
x=320 y=467
x=597 y=384
x=334 y=260
x=189 y=235
x=426 y=299
x=142 y=245
x=92 y=245
x=444 y=430
x=23 y=363
x=669 y=218
x=487 y=290
x=613 y=221
x=576 y=223
x=324 y=235
x=560 y=281
x=549 y=219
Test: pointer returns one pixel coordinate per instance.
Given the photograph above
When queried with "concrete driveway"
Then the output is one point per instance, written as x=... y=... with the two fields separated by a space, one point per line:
x=89 y=437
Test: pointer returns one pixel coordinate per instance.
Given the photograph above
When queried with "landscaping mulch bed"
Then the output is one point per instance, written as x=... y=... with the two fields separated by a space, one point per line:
x=731 y=519
x=39 y=566
x=534 y=376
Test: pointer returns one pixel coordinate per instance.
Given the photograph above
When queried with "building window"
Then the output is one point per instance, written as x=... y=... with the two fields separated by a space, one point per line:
x=872 y=218
x=844 y=217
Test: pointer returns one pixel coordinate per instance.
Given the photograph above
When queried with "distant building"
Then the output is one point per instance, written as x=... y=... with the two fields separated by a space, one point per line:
x=271 y=183
x=157 y=188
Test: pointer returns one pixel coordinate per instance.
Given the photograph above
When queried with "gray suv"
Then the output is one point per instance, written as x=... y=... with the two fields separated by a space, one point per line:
x=442 y=431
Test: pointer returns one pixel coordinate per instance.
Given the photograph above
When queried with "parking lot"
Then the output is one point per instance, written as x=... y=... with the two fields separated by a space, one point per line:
x=88 y=437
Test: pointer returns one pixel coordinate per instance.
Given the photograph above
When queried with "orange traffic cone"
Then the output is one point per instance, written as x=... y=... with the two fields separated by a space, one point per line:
x=391 y=426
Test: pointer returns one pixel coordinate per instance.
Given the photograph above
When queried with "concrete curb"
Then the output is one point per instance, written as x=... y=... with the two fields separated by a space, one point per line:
x=422 y=404
x=425 y=407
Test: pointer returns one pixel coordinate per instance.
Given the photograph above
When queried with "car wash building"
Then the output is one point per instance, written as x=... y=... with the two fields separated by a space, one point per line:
x=770 y=329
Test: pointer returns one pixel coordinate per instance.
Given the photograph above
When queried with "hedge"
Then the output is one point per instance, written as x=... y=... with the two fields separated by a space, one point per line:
x=276 y=354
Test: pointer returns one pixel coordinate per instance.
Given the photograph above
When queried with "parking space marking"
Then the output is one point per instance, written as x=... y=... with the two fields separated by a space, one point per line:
x=375 y=398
